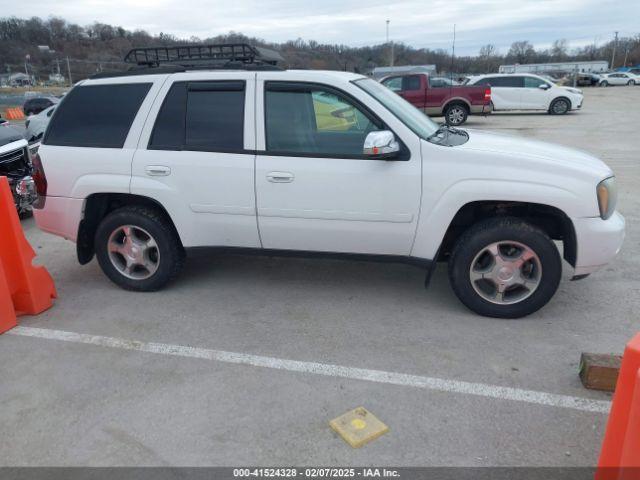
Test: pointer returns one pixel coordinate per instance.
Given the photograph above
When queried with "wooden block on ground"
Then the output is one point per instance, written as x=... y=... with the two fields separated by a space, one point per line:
x=358 y=427
x=599 y=372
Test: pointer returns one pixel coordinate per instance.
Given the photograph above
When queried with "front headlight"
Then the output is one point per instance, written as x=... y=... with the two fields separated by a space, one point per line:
x=607 y=191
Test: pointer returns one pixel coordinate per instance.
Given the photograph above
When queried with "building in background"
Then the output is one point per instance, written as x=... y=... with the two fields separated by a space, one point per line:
x=17 y=79
x=380 y=72
x=596 y=66
x=56 y=79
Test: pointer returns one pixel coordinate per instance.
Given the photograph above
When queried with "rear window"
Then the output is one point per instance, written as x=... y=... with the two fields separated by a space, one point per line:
x=96 y=115
x=205 y=116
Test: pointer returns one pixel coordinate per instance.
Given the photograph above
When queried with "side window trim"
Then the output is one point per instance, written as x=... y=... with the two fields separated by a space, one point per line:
x=231 y=85
x=302 y=86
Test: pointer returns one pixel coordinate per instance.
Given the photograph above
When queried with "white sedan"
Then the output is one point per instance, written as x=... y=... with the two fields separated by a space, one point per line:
x=619 y=78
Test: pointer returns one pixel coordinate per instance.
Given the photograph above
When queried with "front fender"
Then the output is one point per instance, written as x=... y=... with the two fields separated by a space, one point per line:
x=437 y=213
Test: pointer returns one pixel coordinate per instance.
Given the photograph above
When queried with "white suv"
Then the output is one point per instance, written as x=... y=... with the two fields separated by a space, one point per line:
x=529 y=92
x=142 y=167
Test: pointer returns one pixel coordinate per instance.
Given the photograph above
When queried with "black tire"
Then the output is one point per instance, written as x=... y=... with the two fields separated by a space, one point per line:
x=560 y=106
x=170 y=258
x=631 y=82
x=505 y=229
x=604 y=83
x=456 y=114
x=25 y=213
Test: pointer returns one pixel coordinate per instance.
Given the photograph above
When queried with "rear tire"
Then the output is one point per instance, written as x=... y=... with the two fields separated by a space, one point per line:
x=146 y=258
x=494 y=285
x=631 y=82
x=560 y=106
x=25 y=213
x=456 y=114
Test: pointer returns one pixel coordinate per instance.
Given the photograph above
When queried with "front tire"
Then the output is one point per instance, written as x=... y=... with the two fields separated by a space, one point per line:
x=505 y=268
x=631 y=82
x=456 y=114
x=560 y=106
x=604 y=83
x=138 y=249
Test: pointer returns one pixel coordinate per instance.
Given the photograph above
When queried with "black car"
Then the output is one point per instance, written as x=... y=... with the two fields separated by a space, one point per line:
x=35 y=105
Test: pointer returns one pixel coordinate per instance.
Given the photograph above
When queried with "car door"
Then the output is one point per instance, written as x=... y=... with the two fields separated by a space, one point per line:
x=533 y=97
x=196 y=157
x=506 y=91
x=618 y=79
x=315 y=190
x=438 y=91
x=409 y=87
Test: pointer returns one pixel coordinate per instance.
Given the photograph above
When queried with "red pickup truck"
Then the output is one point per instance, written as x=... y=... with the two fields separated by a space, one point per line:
x=438 y=96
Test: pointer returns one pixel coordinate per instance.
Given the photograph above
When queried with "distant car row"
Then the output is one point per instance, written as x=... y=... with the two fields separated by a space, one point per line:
x=483 y=94
x=619 y=78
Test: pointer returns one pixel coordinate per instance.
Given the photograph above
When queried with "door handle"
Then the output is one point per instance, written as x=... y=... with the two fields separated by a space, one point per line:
x=280 y=177
x=157 y=170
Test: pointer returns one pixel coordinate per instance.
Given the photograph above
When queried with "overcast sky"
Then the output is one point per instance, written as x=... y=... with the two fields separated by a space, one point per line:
x=420 y=23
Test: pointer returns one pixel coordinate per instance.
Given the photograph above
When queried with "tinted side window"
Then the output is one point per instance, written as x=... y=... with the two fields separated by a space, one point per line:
x=303 y=119
x=96 y=115
x=531 y=82
x=205 y=116
x=513 y=82
x=485 y=81
x=168 y=132
x=411 y=82
x=517 y=82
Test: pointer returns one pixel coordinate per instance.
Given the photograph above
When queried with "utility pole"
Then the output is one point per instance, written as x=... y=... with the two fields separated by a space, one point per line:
x=69 y=72
x=613 y=55
x=27 y=57
x=389 y=45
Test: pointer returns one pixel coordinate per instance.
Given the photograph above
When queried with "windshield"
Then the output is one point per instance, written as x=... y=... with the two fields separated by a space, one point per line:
x=413 y=118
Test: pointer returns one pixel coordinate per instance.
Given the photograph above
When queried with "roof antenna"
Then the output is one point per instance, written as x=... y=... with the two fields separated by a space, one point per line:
x=453 y=53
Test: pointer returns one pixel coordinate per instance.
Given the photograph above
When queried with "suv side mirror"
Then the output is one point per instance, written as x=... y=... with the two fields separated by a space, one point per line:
x=543 y=86
x=381 y=144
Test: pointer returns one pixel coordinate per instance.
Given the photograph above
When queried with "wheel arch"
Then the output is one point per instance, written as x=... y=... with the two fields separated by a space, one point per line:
x=457 y=101
x=97 y=206
x=553 y=221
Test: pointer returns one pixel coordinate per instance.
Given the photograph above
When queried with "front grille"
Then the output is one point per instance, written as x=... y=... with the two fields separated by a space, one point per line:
x=15 y=164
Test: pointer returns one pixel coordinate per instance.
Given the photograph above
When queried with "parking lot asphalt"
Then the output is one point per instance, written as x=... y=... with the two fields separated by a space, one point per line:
x=98 y=401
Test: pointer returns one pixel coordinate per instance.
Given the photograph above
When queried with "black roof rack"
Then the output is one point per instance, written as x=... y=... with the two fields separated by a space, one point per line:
x=213 y=55
x=241 y=56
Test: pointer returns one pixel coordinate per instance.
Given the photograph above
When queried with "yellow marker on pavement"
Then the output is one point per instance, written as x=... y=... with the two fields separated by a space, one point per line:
x=358 y=427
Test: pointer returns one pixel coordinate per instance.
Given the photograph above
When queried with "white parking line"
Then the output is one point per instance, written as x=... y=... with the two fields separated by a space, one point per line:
x=379 y=376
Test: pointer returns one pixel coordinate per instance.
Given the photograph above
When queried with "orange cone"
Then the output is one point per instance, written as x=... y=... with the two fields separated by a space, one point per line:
x=7 y=312
x=630 y=458
x=620 y=454
x=30 y=288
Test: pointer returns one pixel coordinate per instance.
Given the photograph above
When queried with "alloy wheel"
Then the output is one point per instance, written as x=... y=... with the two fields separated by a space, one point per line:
x=505 y=272
x=133 y=252
x=455 y=115
x=560 y=107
